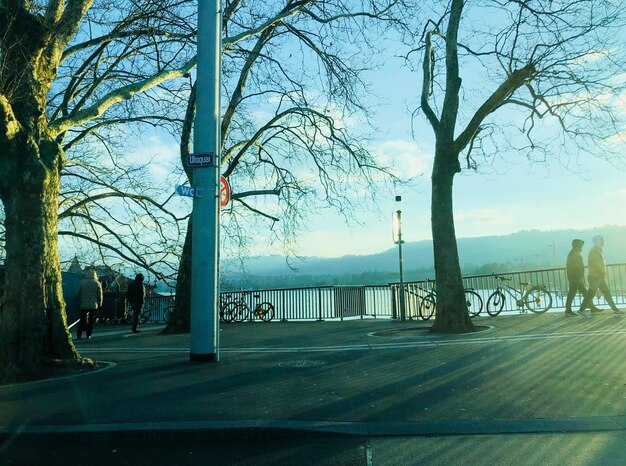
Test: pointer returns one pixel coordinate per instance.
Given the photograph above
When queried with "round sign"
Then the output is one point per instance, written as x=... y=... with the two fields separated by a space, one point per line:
x=224 y=192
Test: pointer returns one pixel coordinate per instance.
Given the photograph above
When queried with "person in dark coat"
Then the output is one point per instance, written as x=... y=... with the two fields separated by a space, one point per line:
x=90 y=301
x=135 y=296
x=575 y=270
x=597 y=277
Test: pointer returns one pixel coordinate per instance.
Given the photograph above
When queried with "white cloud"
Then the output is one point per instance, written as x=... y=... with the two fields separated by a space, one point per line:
x=162 y=156
x=408 y=158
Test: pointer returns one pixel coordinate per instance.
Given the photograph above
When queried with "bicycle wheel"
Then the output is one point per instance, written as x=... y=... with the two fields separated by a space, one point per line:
x=239 y=312
x=227 y=311
x=495 y=303
x=429 y=303
x=168 y=313
x=538 y=300
x=265 y=311
x=474 y=303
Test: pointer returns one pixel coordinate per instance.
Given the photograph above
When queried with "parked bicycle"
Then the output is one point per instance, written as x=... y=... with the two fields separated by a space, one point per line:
x=428 y=302
x=144 y=315
x=168 y=312
x=535 y=298
x=238 y=310
x=228 y=305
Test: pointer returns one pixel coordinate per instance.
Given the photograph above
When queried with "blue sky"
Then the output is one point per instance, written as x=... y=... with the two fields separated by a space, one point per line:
x=500 y=198
x=506 y=197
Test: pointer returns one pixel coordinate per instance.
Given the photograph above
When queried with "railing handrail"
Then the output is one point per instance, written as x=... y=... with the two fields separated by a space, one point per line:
x=379 y=300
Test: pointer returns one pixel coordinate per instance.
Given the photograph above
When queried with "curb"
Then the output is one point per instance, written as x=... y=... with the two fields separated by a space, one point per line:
x=257 y=428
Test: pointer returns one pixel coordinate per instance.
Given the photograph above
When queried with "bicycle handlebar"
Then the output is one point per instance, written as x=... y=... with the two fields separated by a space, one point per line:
x=501 y=277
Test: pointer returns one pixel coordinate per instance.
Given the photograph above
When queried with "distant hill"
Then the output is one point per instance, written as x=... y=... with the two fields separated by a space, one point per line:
x=518 y=251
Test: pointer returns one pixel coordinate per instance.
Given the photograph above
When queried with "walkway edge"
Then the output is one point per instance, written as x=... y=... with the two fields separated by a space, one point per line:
x=374 y=429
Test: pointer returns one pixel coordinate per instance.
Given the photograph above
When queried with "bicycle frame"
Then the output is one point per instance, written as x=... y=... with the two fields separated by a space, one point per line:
x=240 y=310
x=426 y=298
x=535 y=298
x=518 y=295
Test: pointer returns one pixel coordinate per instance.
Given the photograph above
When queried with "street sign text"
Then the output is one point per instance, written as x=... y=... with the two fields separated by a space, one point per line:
x=200 y=160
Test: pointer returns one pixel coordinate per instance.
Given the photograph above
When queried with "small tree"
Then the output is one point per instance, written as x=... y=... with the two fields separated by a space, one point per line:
x=549 y=61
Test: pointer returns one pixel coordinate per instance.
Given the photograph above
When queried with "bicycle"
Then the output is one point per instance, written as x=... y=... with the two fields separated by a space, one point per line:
x=238 y=310
x=428 y=306
x=535 y=298
x=144 y=314
x=168 y=312
x=228 y=305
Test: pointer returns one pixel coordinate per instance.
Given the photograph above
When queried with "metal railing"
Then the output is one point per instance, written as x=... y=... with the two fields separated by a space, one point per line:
x=340 y=302
x=555 y=281
x=319 y=303
x=157 y=306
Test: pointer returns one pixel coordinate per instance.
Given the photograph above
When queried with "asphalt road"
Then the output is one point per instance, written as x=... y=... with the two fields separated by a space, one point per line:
x=528 y=390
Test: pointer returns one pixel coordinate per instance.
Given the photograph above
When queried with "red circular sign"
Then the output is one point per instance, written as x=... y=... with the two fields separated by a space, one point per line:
x=224 y=192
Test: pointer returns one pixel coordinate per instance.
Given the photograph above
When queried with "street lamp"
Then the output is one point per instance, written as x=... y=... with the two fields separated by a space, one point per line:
x=397 y=239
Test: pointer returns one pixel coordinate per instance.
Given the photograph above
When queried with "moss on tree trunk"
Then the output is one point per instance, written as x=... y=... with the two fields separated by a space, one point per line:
x=34 y=332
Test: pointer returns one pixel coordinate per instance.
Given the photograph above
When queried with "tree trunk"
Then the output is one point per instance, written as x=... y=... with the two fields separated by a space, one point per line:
x=34 y=330
x=181 y=319
x=452 y=315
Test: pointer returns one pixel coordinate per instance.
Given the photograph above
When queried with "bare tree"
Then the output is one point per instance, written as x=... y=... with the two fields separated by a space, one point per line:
x=65 y=67
x=552 y=63
x=114 y=211
x=292 y=74
x=70 y=72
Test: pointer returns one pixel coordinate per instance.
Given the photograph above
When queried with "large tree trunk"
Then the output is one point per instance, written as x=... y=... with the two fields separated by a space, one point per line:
x=181 y=319
x=33 y=330
x=452 y=315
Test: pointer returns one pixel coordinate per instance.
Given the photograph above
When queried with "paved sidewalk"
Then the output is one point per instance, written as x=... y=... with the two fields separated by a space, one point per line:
x=361 y=388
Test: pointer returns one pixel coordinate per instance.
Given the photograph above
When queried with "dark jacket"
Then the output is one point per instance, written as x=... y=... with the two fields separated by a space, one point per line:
x=135 y=293
x=575 y=266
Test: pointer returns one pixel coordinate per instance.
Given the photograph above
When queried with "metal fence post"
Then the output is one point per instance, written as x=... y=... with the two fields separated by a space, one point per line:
x=394 y=307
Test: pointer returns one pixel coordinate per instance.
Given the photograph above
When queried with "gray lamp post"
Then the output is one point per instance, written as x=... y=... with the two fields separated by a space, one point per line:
x=399 y=241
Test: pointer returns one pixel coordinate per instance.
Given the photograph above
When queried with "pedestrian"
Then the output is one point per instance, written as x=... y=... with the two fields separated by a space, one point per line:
x=597 y=277
x=135 y=297
x=90 y=301
x=575 y=270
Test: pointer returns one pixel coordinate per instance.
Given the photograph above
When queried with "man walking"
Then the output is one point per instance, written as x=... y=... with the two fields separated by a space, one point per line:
x=575 y=269
x=597 y=277
x=135 y=297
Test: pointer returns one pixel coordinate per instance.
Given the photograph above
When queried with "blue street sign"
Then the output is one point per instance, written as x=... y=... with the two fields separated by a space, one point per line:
x=202 y=159
x=186 y=191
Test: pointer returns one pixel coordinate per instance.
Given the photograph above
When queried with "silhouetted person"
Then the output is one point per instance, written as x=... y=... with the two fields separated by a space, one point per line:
x=90 y=301
x=135 y=297
x=575 y=269
x=597 y=277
